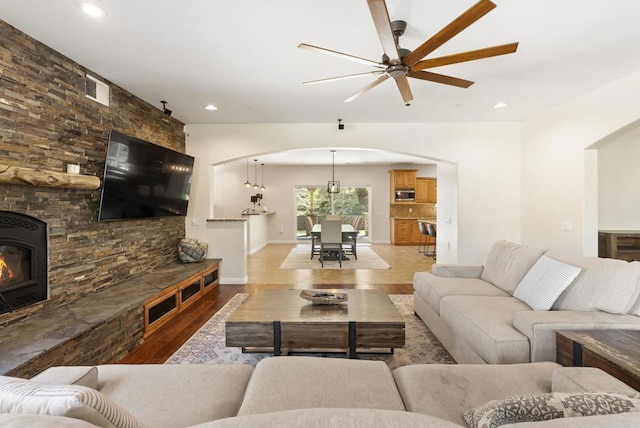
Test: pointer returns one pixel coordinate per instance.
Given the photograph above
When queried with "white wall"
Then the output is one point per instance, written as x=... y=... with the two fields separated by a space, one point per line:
x=619 y=183
x=258 y=231
x=487 y=156
x=554 y=160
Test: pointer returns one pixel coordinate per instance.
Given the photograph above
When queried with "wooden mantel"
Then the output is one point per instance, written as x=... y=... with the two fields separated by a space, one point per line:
x=40 y=177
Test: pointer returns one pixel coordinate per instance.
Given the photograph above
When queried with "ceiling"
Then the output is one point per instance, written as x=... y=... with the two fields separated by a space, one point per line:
x=242 y=55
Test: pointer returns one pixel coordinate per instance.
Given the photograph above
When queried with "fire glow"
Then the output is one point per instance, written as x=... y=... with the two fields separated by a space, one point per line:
x=6 y=273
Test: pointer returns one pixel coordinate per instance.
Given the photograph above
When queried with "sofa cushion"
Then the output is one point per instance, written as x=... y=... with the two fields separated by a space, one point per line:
x=446 y=391
x=542 y=407
x=621 y=298
x=544 y=283
x=70 y=375
x=485 y=323
x=433 y=288
x=506 y=264
x=606 y=284
x=79 y=402
x=307 y=382
x=586 y=379
x=175 y=395
x=332 y=418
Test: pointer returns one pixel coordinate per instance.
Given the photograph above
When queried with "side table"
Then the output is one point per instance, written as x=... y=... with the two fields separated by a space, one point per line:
x=616 y=352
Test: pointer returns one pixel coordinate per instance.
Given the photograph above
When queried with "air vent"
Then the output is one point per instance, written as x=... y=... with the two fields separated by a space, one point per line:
x=96 y=90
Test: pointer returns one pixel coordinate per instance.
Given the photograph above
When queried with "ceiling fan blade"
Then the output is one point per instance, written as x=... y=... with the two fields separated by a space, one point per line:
x=367 y=88
x=382 y=22
x=348 y=76
x=405 y=89
x=342 y=55
x=472 y=14
x=440 y=78
x=466 y=56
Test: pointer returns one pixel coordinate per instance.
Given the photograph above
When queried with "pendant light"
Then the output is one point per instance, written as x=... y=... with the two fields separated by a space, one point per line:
x=333 y=186
x=263 y=187
x=255 y=173
x=247 y=183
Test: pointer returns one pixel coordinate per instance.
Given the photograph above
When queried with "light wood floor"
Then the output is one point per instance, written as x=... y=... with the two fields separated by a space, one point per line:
x=264 y=272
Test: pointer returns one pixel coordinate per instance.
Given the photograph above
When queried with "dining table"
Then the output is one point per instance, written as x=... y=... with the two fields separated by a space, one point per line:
x=348 y=232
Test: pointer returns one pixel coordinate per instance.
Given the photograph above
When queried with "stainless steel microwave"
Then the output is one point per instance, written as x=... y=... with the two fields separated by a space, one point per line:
x=405 y=195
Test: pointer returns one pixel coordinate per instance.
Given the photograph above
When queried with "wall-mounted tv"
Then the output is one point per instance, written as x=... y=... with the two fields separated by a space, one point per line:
x=143 y=180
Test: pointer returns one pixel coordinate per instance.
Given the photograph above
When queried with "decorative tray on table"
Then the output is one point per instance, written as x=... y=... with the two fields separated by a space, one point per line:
x=324 y=297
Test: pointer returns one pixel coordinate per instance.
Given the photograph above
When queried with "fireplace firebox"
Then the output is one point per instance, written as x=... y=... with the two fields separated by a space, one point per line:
x=23 y=261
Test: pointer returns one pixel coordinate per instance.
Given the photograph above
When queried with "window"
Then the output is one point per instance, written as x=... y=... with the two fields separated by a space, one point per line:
x=313 y=203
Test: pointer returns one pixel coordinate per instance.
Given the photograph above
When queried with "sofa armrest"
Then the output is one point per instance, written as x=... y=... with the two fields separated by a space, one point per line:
x=541 y=326
x=457 y=271
x=586 y=379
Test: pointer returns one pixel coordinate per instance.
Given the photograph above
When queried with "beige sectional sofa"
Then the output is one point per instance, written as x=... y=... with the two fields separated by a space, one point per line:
x=473 y=309
x=304 y=392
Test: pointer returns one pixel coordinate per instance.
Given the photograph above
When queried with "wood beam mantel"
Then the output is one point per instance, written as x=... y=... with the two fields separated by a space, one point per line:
x=40 y=177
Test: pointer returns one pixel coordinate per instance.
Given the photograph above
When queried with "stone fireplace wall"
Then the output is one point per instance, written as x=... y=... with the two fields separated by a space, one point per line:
x=46 y=122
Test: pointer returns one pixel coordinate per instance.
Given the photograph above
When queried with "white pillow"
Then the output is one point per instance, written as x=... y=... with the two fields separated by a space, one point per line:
x=74 y=401
x=545 y=282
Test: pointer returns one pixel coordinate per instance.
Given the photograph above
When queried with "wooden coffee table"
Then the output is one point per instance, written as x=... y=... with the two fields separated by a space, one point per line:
x=617 y=352
x=281 y=320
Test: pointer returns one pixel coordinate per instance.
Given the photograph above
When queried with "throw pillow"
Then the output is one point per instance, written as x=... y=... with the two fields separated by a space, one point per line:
x=192 y=250
x=542 y=407
x=74 y=401
x=545 y=282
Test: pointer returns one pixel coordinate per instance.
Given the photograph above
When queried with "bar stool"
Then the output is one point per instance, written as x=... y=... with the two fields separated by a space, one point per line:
x=431 y=231
x=423 y=232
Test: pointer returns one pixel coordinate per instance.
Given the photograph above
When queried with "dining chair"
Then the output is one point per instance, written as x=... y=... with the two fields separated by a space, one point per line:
x=349 y=245
x=333 y=217
x=331 y=240
x=309 y=225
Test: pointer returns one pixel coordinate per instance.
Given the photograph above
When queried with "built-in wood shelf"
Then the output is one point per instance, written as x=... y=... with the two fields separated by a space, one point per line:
x=40 y=177
x=162 y=307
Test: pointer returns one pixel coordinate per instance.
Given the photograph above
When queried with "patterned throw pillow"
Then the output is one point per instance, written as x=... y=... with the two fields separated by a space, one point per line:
x=542 y=407
x=191 y=250
x=73 y=401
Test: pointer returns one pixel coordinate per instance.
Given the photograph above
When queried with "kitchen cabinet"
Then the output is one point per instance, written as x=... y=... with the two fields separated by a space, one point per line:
x=426 y=190
x=401 y=179
x=405 y=232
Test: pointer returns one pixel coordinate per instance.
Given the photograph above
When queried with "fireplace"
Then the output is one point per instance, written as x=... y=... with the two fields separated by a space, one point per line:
x=23 y=261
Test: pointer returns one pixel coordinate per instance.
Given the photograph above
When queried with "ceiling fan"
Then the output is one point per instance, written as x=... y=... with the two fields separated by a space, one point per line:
x=401 y=63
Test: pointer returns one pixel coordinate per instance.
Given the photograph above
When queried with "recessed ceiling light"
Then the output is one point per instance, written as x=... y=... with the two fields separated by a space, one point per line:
x=92 y=9
x=210 y=107
x=500 y=105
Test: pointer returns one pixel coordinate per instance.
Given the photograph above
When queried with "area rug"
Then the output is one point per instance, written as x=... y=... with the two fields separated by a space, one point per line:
x=300 y=258
x=208 y=344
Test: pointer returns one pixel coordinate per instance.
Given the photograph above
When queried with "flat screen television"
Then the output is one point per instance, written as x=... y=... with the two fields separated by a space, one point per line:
x=143 y=180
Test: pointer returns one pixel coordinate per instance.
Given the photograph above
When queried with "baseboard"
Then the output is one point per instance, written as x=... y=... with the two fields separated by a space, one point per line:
x=233 y=281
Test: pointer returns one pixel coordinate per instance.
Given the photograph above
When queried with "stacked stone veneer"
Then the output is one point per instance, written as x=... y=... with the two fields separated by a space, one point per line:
x=46 y=121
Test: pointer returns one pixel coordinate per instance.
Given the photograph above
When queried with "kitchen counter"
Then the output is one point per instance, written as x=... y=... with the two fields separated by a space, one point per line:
x=427 y=220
